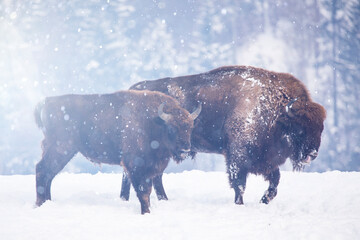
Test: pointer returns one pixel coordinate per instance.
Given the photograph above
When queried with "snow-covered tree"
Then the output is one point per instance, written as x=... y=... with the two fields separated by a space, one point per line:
x=339 y=63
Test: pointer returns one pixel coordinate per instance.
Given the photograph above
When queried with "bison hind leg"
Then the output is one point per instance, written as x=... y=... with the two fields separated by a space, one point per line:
x=125 y=187
x=52 y=162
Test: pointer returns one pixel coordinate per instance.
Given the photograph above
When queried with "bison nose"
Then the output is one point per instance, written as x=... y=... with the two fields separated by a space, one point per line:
x=312 y=155
x=185 y=150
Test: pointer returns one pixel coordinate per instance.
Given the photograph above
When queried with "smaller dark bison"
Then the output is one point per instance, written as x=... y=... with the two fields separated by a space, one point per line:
x=140 y=130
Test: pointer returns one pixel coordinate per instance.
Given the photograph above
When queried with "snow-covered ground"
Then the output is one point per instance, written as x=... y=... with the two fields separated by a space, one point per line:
x=200 y=206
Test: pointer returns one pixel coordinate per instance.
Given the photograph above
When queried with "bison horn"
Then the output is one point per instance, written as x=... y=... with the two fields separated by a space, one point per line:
x=164 y=116
x=197 y=112
x=289 y=106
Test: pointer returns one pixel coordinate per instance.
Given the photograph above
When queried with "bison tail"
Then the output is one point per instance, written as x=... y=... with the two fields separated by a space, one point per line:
x=37 y=114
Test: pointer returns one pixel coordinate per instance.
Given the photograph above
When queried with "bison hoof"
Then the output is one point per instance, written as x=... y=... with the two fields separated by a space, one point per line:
x=124 y=198
x=239 y=201
x=39 y=202
x=268 y=196
x=265 y=199
x=145 y=211
x=162 y=198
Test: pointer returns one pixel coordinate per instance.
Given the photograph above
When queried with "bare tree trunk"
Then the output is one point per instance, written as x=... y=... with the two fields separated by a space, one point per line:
x=316 y=36
x=334 y=28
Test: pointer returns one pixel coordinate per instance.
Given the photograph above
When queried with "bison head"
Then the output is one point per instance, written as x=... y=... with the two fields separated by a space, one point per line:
x=179 y=125
x=304 y=125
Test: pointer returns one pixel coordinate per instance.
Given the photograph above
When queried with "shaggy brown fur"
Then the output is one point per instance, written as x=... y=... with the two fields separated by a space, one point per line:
x=254 y=117
x=120 y=128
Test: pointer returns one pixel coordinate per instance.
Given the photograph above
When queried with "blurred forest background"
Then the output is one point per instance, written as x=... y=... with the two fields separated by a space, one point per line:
x=56 y=47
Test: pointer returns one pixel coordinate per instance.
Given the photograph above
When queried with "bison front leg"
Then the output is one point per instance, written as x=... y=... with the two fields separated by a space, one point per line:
x=142 y=188
x=273 y=178
x=159 y=188
x=125 y=187
x=50 y=165
x=237 y=179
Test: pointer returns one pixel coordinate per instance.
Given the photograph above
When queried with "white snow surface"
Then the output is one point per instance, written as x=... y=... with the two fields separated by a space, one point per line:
x=308 y=206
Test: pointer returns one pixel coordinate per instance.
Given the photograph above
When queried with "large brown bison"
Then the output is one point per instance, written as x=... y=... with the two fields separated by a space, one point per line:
x=140 y=130
x=255 y=118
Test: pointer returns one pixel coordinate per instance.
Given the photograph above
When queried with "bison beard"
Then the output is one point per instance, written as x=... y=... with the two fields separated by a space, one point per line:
x=254 y=117
x=140 y=130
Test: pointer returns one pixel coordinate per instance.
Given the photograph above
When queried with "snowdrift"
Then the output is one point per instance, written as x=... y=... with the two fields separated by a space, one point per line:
x=200 y=206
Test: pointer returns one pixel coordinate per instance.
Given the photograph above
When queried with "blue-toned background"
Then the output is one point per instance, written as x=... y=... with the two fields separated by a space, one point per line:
x=56 y=47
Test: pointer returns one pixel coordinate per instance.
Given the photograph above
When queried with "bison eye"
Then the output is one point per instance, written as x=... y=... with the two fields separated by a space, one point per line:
x=298 y=130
